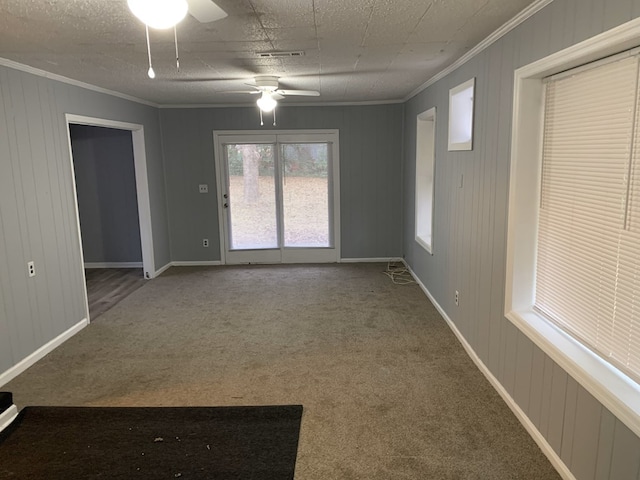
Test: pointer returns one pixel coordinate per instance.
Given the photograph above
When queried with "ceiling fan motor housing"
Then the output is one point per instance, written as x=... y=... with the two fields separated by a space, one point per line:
x=268 y=83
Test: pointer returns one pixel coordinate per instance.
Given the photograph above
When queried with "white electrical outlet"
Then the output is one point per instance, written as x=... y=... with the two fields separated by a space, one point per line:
x=205 y=242
x=457 y=298
x=204 y=188
x=31 y=269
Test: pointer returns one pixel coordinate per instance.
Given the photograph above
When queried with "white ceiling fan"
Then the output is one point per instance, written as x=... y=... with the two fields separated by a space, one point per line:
x=268 y=88
x=270 y=92
x=163 y=14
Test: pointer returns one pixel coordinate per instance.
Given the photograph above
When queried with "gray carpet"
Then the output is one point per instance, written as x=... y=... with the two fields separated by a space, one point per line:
x=388 y=391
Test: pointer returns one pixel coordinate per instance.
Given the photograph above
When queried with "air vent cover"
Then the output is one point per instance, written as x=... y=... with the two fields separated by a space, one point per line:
x=298 y=53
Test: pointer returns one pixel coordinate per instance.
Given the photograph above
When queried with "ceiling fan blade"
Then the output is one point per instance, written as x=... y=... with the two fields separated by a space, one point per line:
x=277 y=96
x=305 y=93
x=205 y=11
x=252 y=92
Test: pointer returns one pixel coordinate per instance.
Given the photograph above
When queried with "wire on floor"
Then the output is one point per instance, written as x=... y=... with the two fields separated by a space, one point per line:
x=399 y=274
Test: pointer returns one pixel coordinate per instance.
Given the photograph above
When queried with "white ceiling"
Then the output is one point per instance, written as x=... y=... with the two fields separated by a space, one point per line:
x=355 y=50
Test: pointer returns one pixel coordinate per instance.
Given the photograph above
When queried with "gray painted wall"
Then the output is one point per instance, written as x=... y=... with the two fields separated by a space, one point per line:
x=370 y=173
x=37 y=206
x=106 y=190
x=470 y=240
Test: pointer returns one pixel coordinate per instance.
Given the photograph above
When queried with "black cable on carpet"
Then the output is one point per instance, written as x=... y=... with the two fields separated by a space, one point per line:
x=221 y=443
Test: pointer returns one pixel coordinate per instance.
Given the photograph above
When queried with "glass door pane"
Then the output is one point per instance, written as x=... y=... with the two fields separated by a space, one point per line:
x=305 y=194
x=252 y=197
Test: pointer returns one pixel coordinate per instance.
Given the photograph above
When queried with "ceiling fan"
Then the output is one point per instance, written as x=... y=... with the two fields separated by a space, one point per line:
x=163 y=14
x=270 y=92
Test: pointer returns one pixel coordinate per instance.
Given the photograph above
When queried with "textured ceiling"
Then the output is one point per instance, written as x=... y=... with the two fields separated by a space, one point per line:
x=355 y=51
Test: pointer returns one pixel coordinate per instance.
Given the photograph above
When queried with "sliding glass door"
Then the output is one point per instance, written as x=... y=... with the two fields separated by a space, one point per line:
x=279 y=196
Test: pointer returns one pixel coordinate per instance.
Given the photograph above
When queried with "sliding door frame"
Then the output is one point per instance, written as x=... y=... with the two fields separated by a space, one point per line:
x=284 y=254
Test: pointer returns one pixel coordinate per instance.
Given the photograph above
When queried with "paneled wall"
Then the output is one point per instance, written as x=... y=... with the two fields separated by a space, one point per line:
x=37 y=206
x=107 y=199
x=469 y=243
x=370 y=173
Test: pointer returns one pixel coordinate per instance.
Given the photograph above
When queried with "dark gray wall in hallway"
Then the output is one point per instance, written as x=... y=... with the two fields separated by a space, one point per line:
x=370 y=173
x=470 y=239
x=107 y=199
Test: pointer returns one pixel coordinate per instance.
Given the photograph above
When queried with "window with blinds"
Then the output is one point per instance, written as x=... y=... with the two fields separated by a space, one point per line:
x=588 y=259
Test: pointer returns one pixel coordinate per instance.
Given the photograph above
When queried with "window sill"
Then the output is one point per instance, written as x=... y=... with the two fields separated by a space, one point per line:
x=425 y=243
x=616 y=391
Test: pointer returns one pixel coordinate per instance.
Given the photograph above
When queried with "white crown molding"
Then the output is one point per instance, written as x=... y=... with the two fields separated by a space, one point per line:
x=5 y=62
x=285 y=105
x=528 y=12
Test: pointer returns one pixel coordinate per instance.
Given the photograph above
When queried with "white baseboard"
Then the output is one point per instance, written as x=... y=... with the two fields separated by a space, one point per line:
x=549 y=452
x=371 y=260
x=113 y=265
x=17 y=369
x=161 y=270
x=208 y=263
x=8 y=416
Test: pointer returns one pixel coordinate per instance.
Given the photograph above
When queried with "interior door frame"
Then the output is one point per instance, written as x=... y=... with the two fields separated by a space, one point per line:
x=142 y=188
x=289 y=254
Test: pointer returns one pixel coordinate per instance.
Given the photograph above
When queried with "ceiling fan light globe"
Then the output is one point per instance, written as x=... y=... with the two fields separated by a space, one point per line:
x=266 y=102
x=159 y=14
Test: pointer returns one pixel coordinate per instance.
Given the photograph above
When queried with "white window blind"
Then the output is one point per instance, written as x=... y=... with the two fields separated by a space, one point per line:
x=588 y=263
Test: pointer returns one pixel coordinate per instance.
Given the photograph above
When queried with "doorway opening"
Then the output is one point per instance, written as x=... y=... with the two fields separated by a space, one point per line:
x=112 y=208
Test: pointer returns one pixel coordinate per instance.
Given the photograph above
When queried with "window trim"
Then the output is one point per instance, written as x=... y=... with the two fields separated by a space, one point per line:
x=426 y=116
x=612 y=388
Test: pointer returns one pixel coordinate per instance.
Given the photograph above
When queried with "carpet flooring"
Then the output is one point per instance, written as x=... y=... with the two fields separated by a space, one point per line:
x=191 y=443
x=388 y=391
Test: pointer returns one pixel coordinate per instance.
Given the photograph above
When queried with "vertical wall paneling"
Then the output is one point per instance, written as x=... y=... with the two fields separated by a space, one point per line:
x=617 y=12
x=545 y=405
x=510 y=335
x=597 y=16
x=588 y=416
x=557 y=407
x=58 y=269
x=582 y=13
x=470 y=237
x=541 y=38
x=48 y=301
x=37 y=207
x=570 y=19
x=625 y=458
x=8 y=217
x=537 y=386
x=568 y=428
x=524 y=369
x=605 y=445
x=21 y=242
x=557 y=34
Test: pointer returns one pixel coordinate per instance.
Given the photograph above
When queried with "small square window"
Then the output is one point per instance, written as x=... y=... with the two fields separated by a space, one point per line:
x=461 y=99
